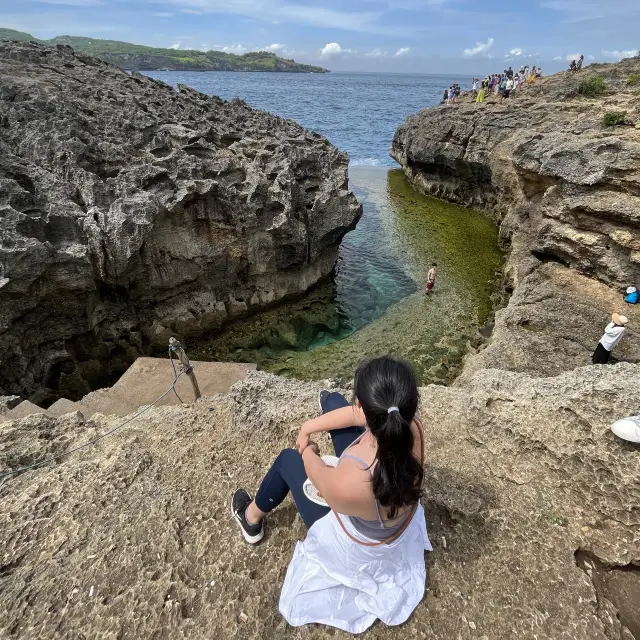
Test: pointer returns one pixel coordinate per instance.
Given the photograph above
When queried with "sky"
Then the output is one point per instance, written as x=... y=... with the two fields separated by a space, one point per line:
x=413 y=36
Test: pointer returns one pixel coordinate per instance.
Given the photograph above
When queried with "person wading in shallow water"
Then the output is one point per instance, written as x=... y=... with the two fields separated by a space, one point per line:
x=363 y=557
x=612 y=335
x=431 y=279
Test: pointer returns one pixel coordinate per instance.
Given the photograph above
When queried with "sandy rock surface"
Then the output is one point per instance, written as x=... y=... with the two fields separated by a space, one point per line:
x=565 y=190
x=531 y=502
x=131 y=212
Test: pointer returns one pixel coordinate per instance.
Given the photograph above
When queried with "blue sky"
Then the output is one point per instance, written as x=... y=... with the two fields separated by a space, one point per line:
x=433 y=36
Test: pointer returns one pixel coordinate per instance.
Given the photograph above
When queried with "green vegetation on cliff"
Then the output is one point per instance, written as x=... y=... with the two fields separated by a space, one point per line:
x=142 y=58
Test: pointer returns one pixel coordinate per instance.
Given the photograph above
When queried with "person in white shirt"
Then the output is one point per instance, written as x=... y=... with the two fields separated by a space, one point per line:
x=612 y=335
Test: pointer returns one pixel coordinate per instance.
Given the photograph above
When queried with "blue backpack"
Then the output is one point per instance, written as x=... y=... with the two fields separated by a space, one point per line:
x=632 y=298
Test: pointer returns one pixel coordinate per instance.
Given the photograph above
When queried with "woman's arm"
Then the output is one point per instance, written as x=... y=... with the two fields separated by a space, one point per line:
x=342 y=418
x=338 y=486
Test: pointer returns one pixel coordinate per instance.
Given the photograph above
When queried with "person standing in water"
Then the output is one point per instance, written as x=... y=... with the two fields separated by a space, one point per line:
x=431 y=279
x=612 y=335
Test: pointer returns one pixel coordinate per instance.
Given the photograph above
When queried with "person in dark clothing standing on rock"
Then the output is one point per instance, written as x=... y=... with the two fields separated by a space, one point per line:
x=580 y=62
x=612 y=335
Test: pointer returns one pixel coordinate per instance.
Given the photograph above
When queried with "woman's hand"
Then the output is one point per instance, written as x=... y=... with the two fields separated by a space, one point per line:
x=314 y=447
x=303 y=440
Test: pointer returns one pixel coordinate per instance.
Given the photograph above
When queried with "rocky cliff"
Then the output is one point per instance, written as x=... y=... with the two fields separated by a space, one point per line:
x=130 y=211
x=565 y=189
x=533 y=507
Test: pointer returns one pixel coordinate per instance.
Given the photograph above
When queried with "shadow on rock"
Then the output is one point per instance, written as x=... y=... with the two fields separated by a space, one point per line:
x=457 y=507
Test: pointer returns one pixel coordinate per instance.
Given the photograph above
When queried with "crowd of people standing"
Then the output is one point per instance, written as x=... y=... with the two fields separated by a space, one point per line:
x=505 y=83
x=499 y=84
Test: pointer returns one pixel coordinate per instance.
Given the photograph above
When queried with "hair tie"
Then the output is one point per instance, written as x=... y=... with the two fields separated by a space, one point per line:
x=390 y=410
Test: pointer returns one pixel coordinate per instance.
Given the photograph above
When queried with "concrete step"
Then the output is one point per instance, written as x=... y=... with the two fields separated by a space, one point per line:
x=23 y=410
x=141 y=384
x=64 y=406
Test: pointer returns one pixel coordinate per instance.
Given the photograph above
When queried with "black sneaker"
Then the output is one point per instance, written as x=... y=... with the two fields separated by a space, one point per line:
x=252 y=533
x=322 y=398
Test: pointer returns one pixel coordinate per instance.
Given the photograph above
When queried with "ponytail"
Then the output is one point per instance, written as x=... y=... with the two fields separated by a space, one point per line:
x=388 y=392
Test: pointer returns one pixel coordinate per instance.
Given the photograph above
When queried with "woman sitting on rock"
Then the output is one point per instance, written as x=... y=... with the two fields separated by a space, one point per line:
x=363 y=557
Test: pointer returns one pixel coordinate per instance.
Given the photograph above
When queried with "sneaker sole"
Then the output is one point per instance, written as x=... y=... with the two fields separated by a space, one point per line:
x=250 y=539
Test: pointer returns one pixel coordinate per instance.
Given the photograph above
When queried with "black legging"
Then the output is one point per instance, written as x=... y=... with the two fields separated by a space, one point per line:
x=288 y=474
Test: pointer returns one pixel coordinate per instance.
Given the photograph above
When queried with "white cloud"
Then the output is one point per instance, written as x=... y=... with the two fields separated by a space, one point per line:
x=516 y=52
x=275 y=48
x=175 y=46
x=619 y=55
x=481 y=49
x=162 y=14
x=404 y=51
x=557 y=58
x=572 y=56
x=193 y=12
x=238 y=49
x=292 y=11
x=332 y=50
x=377 y=53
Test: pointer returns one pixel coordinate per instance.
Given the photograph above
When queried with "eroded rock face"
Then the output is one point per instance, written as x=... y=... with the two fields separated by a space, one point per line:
x=130 y=212
x=564 y=188
x=134 y=538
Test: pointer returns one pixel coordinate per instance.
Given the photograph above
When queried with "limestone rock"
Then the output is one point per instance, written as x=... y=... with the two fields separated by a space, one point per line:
x=524 y=481
x=564 y=188
x=132 y=212
x=8 y=402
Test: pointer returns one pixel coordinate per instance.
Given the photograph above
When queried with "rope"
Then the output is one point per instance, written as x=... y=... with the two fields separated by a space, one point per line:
x=4 y=476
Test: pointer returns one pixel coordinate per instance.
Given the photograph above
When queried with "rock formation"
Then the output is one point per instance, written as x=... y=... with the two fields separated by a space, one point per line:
x=533 y=507
x=532 y=504
x=131 y=211
x=565 y=189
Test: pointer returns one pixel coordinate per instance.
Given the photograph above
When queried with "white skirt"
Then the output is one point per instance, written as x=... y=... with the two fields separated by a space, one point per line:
x=335 y=581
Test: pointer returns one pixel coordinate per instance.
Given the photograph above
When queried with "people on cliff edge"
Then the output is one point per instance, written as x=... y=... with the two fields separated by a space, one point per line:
x=580 y=62
x=612 y=335
x=431 y=279
x=363 y=557
x=573 y=66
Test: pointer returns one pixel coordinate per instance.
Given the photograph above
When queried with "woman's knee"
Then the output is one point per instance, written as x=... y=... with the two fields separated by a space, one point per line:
x=287 y=457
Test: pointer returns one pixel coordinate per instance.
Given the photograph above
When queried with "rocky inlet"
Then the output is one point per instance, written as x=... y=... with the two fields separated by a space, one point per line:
x=131 y=212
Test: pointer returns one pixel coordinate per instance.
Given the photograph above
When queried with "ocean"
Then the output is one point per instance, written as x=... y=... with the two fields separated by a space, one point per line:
x=358 y=112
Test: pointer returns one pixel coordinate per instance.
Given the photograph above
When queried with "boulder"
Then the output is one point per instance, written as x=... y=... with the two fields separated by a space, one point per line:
x=132 y=211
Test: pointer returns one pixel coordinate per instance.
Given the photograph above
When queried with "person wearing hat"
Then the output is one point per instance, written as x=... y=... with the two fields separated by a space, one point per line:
x=612 y=335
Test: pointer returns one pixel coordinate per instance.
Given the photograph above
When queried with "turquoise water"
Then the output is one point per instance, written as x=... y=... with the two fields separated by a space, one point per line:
x=376 y=303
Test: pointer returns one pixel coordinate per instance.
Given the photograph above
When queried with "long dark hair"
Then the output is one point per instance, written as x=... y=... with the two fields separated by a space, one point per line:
x=381 y=384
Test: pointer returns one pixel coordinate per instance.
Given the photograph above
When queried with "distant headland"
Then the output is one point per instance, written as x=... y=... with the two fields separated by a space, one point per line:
x=138 y=57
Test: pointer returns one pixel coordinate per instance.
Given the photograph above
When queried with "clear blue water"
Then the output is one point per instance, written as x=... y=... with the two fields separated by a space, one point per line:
x=358 y=112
